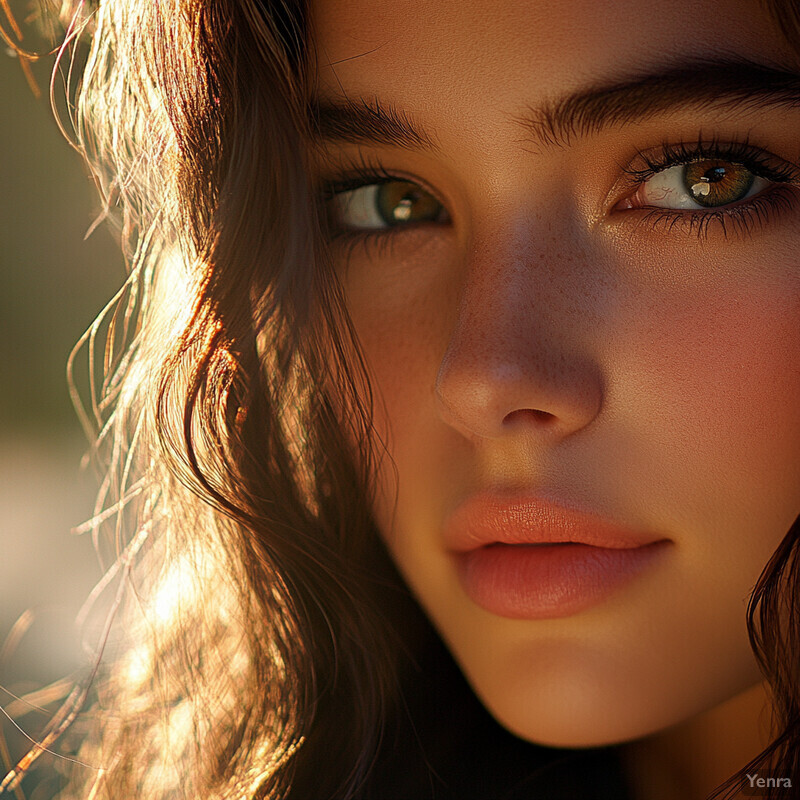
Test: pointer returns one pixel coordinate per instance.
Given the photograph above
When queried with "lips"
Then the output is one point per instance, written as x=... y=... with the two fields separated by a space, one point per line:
x=530 y=558
x=488 y=517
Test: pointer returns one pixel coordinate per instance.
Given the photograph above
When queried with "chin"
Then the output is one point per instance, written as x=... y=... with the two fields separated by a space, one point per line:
x=573 y=729
x=584 y=711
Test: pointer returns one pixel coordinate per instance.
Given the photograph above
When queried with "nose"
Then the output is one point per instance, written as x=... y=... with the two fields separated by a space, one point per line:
x=519 y=355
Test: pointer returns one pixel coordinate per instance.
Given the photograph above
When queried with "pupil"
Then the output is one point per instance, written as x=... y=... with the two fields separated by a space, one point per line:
x=714 y=174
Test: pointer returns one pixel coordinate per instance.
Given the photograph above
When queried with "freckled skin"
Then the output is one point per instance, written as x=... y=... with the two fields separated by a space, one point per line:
x=541 y=341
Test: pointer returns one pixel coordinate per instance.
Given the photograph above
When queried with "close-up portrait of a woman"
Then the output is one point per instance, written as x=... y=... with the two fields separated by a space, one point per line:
x=447 y=420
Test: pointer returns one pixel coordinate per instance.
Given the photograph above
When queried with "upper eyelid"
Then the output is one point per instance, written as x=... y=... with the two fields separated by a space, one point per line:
x=655 y=160
x=362 y=173
x=349 y=180
x=643 y=164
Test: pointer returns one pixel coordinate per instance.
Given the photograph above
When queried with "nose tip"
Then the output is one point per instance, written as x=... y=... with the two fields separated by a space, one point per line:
x=524 y=350
x=491 y=392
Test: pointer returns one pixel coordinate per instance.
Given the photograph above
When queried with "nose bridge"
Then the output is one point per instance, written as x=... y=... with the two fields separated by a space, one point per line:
x=521 y=272
x=520 y=352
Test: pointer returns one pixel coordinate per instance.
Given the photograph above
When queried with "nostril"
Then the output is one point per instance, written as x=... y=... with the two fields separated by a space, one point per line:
x=495 y=393
x=533 y=415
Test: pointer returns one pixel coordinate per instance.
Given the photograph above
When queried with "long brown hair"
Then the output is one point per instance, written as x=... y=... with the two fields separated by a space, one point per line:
x=254 y=649
x=240 y=535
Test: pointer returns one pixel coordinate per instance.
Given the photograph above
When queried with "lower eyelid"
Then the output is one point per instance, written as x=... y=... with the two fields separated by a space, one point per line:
x=743 y=217
x=401 y=244
x=409 y=231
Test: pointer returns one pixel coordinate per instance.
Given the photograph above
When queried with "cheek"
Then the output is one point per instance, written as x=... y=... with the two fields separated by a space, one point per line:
x=400 y=353
x=403 y=314
x=705 y=395
x=717 y=374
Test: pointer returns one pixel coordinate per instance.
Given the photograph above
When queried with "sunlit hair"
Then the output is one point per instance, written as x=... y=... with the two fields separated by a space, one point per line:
x=236 y=521
x=252 y=652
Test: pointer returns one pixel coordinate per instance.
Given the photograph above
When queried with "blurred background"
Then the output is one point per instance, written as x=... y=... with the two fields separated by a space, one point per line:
x=52 y=284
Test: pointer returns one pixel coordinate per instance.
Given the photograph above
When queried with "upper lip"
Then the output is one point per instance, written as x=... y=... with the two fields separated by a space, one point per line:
x=494 y=517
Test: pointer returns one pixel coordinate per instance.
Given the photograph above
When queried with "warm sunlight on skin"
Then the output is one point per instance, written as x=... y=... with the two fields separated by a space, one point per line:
x=544 y=326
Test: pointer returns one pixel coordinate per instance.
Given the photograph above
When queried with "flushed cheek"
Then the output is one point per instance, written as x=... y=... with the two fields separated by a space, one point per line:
x=717 y=383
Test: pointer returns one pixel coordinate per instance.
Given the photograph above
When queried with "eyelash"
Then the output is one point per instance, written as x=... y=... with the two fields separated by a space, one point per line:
x=739 y=218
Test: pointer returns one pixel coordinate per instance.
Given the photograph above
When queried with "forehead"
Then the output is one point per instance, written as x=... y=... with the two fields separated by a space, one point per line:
x=433 y=55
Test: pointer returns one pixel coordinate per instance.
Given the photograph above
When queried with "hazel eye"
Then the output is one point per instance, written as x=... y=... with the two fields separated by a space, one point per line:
x=706 y=183
x=388 y=204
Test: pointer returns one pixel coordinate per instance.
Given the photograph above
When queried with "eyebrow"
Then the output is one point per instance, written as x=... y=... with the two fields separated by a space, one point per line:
x=357 y=121
x=718 y=83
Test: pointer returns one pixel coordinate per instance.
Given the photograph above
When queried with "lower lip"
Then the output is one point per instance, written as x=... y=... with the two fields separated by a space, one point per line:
x=549 y=581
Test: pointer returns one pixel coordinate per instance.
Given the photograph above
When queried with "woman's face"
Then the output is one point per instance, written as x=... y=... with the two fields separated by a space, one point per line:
x=569 y=251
